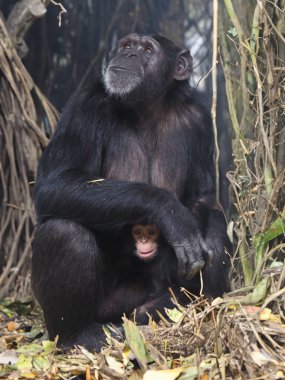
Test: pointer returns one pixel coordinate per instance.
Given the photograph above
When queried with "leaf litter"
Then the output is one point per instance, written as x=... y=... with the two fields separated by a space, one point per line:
x=234 y=337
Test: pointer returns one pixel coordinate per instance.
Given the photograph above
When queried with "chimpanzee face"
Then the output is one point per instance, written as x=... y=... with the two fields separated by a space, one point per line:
x=146 y=240
x=142 y=68
x=133 y=60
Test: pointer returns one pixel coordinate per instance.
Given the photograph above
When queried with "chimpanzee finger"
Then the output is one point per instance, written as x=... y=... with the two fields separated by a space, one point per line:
x=207 y=253
x=181 y=260
x=194 y=268
x=187 y=265
x=194 y=255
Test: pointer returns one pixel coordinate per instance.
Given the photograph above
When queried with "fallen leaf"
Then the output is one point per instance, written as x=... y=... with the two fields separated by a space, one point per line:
x=258 y=294
x=32 y=348
x=114 y=364
x=252 y=309
x=34 y=333
x=217 y=301
x=48 y=346
x=87 y=354
x=260 y=358
x=265 y=314
x=41 y=363
x=24 y=362
x=28 y=375
x=136 y=343
x=279 y=375
x=11 y=326
x=166 y=374
x=174 y=314
x=9 y=357
x=127 y=355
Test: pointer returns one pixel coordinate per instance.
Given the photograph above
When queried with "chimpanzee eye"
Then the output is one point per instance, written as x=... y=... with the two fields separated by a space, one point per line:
x=148 y=49
x=127 y=46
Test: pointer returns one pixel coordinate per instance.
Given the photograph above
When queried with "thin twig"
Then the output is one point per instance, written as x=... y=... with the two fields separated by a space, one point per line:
x=215 y=91
x=63 y=10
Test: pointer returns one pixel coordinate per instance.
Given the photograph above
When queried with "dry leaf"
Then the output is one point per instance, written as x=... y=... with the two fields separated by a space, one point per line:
x=114 y=364
x=11 y=326
x=252 y=309
x=260 y=358
x=167 y=374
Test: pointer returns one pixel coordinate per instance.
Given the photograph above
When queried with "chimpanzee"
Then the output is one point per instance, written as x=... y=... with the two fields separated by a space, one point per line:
x=146 y=240
x=135 y=148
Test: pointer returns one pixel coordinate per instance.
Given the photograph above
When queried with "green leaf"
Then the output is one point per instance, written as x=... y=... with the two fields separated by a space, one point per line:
x=276 y=229
x=32 y=348
x=207 y=365
x=21 y=306
x=6 y=311
x=258 y=294
x=5 y=370
x=41 y=363
x=24 y=362
x=174 y=314
x=34 y=333
x=233 y=32
x=190 y=373
x=276 y=264
x=48 y=346
x=136 y=343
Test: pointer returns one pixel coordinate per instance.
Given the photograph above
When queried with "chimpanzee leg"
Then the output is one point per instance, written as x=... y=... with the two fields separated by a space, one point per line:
x=66 y=273
x=151 y=307
x=156 y=305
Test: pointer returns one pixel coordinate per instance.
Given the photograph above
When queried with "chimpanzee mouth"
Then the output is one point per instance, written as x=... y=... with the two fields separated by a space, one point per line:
x=121 y=68
x=148 y=254
x=114 y=67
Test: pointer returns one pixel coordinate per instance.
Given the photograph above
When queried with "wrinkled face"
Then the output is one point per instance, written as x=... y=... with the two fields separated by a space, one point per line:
x=146 y=240
x=144 y=68
x=134 y=59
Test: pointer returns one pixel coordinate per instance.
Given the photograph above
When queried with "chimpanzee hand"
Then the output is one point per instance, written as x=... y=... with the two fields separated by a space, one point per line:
x=181 y=230
x=192 y=255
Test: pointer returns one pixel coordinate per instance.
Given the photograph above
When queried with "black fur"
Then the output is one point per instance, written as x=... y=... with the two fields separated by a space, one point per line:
x=155 y=155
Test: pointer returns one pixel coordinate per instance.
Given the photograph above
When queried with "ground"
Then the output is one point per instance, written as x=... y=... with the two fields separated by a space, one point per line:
x=225 y=338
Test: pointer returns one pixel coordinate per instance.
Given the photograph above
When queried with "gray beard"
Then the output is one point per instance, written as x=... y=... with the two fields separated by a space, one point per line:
x=120 y=84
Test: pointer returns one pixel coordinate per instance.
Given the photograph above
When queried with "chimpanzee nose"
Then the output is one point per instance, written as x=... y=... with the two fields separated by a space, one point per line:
x=132 y=55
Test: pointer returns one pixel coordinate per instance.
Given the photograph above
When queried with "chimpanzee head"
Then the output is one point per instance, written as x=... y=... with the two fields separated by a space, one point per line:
x=142 y=68
x=146 y=238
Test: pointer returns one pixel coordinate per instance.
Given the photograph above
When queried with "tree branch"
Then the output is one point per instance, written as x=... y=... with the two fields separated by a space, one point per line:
x=20 y=19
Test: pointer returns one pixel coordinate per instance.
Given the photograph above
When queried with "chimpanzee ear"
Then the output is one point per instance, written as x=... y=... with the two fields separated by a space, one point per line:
x=183 y=68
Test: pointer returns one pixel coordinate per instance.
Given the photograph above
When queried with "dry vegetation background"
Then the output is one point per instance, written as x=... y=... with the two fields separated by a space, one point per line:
x=228 y=338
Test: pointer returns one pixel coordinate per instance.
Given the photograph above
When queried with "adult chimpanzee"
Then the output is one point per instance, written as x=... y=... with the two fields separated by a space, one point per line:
x=135 y=148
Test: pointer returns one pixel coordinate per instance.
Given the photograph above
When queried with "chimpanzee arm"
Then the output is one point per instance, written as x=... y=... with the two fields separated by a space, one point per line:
x=203 y=203
x=69 y=185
